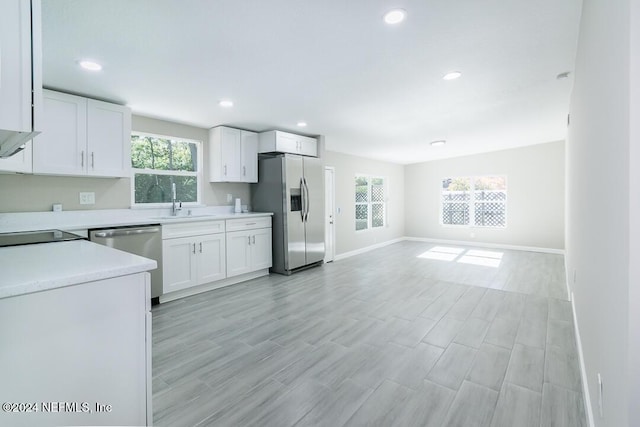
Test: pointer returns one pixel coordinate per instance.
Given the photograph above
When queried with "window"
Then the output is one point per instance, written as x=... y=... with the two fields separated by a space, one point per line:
x=160 y=161
x=479 y=200
x=370 y=202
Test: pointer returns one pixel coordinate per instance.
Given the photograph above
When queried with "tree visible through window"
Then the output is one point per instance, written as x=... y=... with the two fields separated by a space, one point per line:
x=158 y=162
x=370 y=202
x=480 y=201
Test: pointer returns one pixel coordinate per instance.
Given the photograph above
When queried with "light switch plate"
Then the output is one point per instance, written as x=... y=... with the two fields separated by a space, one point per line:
x=87 y=198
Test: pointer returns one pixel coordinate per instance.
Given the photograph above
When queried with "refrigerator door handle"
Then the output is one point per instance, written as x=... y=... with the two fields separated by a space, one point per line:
x=306 y=195
x=303 y=199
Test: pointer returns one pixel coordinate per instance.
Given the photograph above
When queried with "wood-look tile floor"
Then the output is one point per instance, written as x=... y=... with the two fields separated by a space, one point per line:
x=412 y=334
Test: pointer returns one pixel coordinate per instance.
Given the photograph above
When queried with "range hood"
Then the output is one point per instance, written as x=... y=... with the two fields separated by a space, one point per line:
x=12 y=142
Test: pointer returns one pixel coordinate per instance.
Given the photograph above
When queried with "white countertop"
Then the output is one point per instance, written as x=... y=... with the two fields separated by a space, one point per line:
x=79 y=220
x=33 y=268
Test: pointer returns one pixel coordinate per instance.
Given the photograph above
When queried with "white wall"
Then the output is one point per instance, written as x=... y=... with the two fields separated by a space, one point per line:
x=634 y=220
x=535 y=196
x=32 y=193
x=598 y=189
x=346 y=168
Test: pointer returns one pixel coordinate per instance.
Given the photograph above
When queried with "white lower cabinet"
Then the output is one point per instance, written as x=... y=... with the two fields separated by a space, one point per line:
x=210 y=254
x=192 y=261
x=249 y=247
x=248 y=251
x=84 y=347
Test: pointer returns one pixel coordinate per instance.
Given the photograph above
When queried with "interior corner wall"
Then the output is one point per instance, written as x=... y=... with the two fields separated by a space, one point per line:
x=598 y=206
x=346 y=167
x=634 y=219
x=535 y=196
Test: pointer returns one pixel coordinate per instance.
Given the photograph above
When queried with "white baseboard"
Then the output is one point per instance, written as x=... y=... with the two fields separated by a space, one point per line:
x=487 y=245
x=448 y=242
x=172 y=296
x=368 y=248
x=583 y=370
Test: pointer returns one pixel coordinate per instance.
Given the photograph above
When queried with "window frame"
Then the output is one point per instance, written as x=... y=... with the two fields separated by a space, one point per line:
x=472 y=201
x=198 y=174
x=369 y=203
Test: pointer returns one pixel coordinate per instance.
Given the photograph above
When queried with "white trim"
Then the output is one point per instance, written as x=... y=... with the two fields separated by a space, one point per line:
x=368 y=248
x=332 y=256
x=450 y=242
x=172 y=296
x=488 y=245
x=583 y=369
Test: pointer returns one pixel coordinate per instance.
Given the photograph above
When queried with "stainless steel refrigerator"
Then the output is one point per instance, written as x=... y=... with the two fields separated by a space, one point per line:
x=292 y=187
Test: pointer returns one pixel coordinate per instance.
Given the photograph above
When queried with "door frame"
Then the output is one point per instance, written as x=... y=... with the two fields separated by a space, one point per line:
x=330 y=194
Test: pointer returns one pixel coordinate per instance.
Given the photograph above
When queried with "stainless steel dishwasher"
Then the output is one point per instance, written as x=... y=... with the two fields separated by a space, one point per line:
x=144 y=240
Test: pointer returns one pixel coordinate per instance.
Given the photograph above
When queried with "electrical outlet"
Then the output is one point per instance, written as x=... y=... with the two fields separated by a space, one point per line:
x=600 y=396
x=87 y=198
x=229 y=197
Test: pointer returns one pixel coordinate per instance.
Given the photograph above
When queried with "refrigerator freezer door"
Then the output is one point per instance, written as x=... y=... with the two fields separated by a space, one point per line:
x=295 y=205
x=314 y=224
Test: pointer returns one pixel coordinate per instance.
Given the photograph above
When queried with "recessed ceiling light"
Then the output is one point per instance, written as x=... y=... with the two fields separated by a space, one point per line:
x=90 y=65
x=302 y=124
x=395 y=16
x=226 y=103
x=452 y=75
x=438 y=143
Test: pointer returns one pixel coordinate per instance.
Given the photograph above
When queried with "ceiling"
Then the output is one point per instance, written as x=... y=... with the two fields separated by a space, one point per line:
x=371 y=89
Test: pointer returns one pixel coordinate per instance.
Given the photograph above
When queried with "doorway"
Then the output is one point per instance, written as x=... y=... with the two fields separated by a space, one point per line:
x=329 y=216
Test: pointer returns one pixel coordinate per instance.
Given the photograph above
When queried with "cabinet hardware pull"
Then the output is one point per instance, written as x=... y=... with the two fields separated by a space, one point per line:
x=194 y=248
x=244 y=171
x=249 y=239
x=250 y=223
x=225 y=170
x=200 y=247
x=253 y=239
x=92 y=161
x=82 y=159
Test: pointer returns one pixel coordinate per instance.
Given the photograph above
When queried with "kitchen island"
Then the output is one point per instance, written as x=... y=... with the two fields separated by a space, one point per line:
x=75 y=328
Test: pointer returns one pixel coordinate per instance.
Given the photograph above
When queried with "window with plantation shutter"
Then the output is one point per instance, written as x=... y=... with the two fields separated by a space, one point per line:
x=370 y=202
x=480 y=201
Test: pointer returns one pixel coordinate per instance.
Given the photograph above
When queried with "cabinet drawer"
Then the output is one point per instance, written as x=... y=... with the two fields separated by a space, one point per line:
x=197 y=228
x=248 y=223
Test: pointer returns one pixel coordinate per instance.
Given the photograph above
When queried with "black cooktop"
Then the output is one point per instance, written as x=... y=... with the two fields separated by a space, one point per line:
x=33 y=237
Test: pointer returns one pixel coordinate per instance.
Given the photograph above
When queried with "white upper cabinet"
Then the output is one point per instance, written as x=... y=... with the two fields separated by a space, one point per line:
x=233 y=155
x=61 y=149
x=276 y=141
x=108 y=139
x=83 y=137
x=20 y=72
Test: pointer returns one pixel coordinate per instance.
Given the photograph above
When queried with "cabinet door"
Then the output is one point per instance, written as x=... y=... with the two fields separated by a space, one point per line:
x=307 y=146
x=238 y=253
x=286 y=142
x=108 y=139
x=249 y=156
x=61 y=147
x=261 y=249
x=20 y=162
x=211 y=258
x=15 y=65
x=178 y=264
x=231 y=152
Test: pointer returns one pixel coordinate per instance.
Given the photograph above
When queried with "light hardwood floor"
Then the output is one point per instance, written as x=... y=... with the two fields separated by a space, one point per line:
x=412 y=334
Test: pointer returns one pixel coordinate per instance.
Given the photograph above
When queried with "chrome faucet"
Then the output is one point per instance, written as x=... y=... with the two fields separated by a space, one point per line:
x=174 y=209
